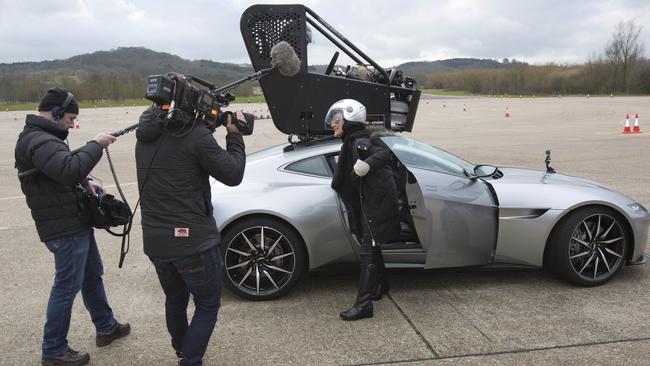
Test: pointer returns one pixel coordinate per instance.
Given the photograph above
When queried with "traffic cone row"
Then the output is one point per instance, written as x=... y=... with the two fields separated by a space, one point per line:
x=444 y=105
x=636 y=128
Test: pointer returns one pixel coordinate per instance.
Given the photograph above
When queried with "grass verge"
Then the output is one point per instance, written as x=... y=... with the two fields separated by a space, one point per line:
x=109 y=103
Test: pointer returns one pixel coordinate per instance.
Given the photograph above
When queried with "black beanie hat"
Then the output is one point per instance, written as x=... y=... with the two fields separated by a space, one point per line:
x=55 y=97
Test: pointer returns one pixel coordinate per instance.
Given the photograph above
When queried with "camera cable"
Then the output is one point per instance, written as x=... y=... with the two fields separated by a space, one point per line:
x=126 y=230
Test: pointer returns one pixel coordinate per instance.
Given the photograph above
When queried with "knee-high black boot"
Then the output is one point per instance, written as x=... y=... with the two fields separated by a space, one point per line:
x=362 y=307
x=381 y=283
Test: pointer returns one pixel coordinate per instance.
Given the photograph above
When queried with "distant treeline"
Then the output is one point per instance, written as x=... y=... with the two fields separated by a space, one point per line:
x=594 y=77
x=95 y=87
x=621 y=69
x=515 y=78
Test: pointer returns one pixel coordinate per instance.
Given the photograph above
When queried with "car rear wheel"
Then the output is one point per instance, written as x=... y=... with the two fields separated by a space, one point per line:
x=589 y=246
x=263 y=258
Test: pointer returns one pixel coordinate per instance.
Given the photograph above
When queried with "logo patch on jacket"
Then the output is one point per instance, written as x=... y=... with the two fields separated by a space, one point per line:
x=181 y=232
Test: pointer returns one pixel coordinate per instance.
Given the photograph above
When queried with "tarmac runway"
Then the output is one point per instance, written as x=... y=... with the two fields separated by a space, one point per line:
x=451 y=317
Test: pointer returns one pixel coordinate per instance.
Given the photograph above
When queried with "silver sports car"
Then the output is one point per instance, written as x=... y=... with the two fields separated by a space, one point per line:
x=284 y=219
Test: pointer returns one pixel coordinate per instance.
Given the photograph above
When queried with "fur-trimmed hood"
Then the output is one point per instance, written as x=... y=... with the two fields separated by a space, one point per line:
x=378 y=132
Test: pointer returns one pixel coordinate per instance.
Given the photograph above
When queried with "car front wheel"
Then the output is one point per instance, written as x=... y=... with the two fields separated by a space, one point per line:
x=589 y=246
x=263 y=258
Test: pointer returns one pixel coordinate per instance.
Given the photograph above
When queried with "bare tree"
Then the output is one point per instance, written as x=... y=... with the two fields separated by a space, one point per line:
x=623 y=51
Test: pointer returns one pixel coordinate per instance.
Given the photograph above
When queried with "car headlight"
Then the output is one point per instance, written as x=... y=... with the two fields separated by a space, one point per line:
x=637 y=208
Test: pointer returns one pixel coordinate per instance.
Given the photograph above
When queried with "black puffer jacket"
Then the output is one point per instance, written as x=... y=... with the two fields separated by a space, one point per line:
x=373 y=196
x=173 y=178
x=51 y=196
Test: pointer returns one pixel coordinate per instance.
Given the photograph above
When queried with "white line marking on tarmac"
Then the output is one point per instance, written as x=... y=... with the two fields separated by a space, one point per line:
x=11 y=198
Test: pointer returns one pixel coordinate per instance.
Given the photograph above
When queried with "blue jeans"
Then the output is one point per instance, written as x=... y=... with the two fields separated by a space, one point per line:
x=78 y=266
x=202 y=276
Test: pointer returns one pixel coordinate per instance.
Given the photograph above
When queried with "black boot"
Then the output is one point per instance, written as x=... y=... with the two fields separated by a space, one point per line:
x=381 y=284
x=70 y=357
x=362 y=307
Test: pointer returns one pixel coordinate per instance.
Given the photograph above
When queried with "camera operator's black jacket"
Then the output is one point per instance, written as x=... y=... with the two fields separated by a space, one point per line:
x=173 y=178
x=374 y=195
x=55 y=203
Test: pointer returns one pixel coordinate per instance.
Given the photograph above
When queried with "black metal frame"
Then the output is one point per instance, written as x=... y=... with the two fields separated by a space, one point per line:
x=298 y=104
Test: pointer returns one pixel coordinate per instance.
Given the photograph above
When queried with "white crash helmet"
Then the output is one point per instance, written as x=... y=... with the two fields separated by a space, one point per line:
x=352 y=111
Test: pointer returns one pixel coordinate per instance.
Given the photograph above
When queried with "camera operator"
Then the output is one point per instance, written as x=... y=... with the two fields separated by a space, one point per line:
x=180 y=236
x=364 y=179
x=63 y=224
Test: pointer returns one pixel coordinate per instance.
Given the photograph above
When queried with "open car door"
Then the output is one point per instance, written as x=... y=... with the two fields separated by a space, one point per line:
x=455 y=215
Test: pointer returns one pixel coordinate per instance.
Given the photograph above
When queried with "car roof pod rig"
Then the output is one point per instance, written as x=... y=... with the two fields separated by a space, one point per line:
x=298 y=103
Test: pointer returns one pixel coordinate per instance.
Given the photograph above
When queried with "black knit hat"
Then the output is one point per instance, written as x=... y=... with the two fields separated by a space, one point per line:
x=55 y=97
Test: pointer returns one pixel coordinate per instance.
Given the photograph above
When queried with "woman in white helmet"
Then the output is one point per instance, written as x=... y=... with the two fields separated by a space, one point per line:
x=364 y=180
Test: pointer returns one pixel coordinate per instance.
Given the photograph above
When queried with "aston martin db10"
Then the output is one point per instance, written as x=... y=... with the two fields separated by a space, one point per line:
x=284 y=218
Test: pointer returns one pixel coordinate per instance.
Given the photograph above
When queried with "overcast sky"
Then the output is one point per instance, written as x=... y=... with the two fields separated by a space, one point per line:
x=391 y=32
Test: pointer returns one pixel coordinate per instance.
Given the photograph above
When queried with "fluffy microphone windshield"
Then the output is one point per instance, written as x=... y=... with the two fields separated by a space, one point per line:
x=284 y=58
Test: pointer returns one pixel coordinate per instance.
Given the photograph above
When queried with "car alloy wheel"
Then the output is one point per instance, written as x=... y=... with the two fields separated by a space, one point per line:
x=589 y=246
x=596 y=247
x=262 y=260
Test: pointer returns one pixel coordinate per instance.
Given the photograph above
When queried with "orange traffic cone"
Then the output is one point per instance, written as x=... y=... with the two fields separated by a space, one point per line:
x=464 y=108
x=627 y=124
x=637 y=129
x=507 y=113
x=15 y=118
x=76 y=123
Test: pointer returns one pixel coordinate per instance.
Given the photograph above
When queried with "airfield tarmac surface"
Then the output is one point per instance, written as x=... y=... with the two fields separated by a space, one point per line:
x=451 y=317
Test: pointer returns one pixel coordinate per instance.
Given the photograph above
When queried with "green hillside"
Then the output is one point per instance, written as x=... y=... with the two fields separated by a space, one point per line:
x=117 y=74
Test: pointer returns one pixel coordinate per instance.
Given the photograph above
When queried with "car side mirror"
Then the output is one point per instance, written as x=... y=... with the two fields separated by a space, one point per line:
x=484 y=171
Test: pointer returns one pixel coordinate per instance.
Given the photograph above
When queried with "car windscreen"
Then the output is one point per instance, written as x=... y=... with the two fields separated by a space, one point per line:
x=420 y=155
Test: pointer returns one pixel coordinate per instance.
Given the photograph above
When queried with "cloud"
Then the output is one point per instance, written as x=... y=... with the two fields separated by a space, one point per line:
x=390 y=32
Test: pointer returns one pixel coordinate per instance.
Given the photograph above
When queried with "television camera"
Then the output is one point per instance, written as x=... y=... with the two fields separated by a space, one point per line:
x=185 y=102
x=187 y=98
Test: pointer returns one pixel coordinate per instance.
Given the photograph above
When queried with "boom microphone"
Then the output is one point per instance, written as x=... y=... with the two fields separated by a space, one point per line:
x=117 y=133
x=284 y=58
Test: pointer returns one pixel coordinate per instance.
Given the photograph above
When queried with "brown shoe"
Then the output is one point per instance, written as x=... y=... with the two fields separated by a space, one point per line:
x=122 y=330
x=70 y=358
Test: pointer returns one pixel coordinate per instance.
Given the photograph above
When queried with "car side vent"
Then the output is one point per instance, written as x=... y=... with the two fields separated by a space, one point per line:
x=497 y=175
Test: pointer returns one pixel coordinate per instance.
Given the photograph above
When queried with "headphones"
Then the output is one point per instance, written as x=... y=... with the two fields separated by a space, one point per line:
x=58 y=112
